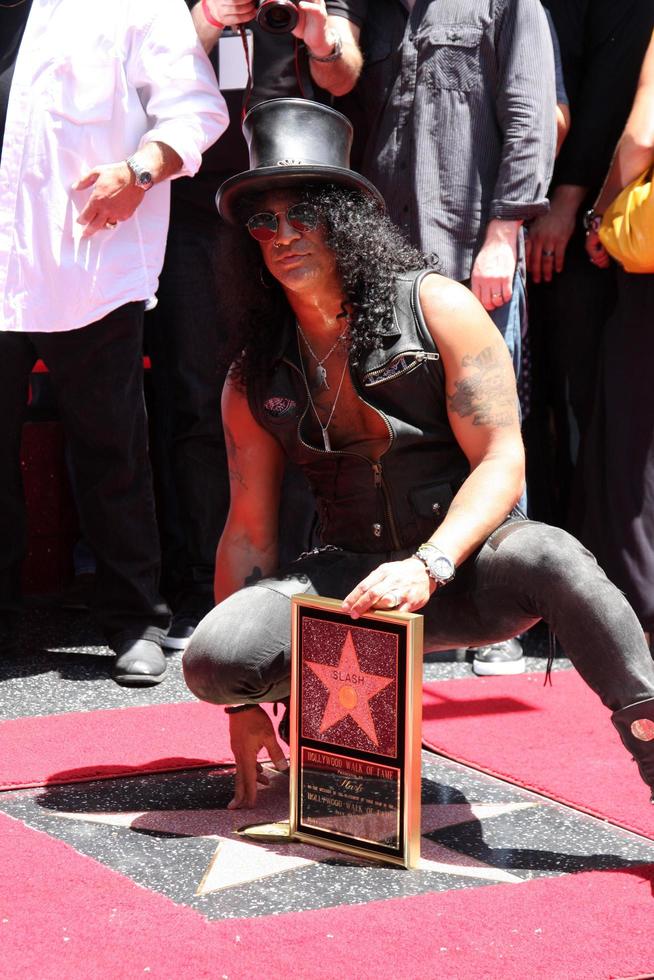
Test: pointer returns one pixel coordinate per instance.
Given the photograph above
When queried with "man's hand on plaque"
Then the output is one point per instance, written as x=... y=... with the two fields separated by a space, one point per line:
x=404 y=586
x=250 y=731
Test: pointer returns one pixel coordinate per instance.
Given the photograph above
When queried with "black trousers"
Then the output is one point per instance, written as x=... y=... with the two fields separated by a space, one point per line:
x=614 y=495
x=566 y=318
x=185 y=338
x=97 y=376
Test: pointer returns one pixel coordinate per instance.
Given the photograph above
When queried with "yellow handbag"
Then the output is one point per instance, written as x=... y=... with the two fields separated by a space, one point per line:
x=627 y=228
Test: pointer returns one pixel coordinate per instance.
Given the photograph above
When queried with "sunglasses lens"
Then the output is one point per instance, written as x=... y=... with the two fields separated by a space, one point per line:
x=263 y=226
x=303 y=216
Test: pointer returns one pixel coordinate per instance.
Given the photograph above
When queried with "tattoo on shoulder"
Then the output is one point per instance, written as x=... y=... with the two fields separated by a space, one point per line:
x=235 y=474
x=485 y=395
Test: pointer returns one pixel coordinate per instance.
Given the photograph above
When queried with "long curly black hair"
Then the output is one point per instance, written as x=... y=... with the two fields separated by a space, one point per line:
x=370 y=251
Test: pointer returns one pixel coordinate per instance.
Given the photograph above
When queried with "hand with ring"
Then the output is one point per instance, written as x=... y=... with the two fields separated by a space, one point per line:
x=402 y=585
x=114 y=197
x=491 y=278
x=547 y=240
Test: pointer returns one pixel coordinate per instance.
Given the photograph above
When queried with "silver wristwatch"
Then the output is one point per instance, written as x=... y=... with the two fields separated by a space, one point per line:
x=439 y=567
x=142 y=177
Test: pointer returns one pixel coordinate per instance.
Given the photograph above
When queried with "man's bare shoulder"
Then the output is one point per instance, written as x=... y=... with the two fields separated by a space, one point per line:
x=451 y=310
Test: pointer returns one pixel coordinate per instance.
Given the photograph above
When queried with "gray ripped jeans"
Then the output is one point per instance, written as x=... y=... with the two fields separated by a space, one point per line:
x=524 y=572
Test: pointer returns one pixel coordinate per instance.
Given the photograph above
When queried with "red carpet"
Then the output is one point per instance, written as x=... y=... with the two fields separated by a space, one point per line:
x=76 y=919
x=556 y=740
x=80 y=746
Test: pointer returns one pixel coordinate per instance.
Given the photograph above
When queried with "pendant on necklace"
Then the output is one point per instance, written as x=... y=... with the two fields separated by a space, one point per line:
x=325 y=439
x=321 y=378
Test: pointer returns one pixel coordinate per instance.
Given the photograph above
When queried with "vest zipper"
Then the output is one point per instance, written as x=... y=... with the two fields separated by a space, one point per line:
x=381 y=486
x=419 y=358
x=378 y=479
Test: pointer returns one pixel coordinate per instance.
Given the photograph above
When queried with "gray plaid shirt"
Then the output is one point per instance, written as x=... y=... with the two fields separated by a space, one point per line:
x=455 y=108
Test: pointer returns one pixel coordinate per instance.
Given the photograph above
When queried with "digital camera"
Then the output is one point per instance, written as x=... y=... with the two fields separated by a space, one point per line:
x=277 y=16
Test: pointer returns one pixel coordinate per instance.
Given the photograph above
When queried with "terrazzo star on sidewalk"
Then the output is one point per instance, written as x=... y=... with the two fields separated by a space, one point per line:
x=100 y=105
x=390 y=387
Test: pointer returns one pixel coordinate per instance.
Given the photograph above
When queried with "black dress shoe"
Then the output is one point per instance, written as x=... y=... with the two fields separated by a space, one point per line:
x=139 y=663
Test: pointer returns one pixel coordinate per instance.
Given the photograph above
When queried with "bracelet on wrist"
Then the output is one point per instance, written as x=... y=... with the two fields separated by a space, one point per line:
x=209 y=17
x=234 y=709
x=592 y=220
x=336 y=53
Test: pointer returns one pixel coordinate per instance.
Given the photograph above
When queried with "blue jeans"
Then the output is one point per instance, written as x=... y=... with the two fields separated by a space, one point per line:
x=524 y=572
x=511 y=320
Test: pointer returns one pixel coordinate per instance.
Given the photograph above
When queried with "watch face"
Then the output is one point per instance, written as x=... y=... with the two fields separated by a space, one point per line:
x=442 y=566
x=144 y=178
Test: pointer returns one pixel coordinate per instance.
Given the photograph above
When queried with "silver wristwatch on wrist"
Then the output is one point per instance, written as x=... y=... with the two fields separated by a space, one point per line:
x=142 y=177
x=439 y=567
x=337 y=50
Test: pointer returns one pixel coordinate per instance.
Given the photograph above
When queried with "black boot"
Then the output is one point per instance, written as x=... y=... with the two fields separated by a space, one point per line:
x=635 y=725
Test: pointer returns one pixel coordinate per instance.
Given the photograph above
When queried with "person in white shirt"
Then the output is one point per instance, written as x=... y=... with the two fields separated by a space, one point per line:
x=100 y=104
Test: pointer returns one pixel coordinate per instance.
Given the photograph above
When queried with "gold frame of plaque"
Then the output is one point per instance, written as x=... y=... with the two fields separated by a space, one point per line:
x=355 y=730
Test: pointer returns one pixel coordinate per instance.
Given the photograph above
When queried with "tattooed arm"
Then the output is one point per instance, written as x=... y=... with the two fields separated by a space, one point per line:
x=482 y=404
x=248 y=546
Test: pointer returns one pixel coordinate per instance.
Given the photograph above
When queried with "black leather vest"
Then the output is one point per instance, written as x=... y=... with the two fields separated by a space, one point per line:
x=397 y=502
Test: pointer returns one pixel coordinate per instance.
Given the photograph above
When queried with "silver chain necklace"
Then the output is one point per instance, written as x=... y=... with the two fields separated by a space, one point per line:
x=324 y=428
x=321 y=370
x=10 y=6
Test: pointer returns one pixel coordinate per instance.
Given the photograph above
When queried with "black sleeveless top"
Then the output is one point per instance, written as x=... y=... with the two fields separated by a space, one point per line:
x=365 y=505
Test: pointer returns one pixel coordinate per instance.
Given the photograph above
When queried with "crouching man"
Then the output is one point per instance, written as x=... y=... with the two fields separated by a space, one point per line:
x=389 y=385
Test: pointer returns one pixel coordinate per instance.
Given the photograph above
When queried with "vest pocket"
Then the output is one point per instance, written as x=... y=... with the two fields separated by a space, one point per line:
x=431 y=500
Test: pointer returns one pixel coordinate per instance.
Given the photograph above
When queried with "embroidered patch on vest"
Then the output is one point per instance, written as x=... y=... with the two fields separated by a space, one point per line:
x=278 y=407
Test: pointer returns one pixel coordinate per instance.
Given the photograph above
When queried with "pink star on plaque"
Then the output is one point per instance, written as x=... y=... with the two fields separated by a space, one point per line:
x=350 y=690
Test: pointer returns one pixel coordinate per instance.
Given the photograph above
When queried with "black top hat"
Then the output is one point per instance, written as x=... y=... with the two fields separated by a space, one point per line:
x=292 y=143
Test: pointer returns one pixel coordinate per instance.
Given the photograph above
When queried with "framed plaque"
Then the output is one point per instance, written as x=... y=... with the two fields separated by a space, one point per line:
x=355 y=720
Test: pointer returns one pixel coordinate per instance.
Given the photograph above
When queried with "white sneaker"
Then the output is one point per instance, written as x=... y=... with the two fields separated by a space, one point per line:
x=505 y=657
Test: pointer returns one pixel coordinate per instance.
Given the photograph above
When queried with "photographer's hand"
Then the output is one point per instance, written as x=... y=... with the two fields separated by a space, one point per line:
x=335 y=58
x=312 y=27
x=232 y=12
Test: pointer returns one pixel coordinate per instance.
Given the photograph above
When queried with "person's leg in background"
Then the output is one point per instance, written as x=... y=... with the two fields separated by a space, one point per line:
x=506 y=656
x=17 y=357
x=566 y=318
x=97 y=373
x=615 y=505
x=186 y=335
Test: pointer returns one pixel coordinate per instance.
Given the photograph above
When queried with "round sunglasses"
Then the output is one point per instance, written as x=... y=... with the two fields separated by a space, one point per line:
x=301 y=217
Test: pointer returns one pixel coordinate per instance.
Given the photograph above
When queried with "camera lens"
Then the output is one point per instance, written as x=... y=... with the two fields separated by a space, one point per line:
x=277 y=16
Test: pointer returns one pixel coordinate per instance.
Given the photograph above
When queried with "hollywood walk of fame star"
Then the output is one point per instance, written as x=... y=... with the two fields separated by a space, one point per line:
x=237 y=861
x=350 y=690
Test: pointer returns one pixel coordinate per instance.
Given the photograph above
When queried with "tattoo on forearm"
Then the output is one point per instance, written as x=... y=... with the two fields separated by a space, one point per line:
x=485 y=396
x=255 y=575
x=230 y=444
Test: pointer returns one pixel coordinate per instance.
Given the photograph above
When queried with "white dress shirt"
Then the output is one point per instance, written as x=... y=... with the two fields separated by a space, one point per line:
x=94 y=80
